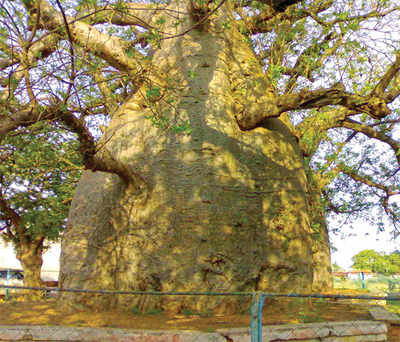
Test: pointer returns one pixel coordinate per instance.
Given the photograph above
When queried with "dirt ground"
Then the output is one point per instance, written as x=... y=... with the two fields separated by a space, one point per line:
x=48 y=312
x=394 y=334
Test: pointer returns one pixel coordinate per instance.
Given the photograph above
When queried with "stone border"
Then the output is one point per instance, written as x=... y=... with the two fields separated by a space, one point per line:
x=356 y=331
x=381 y=314
x=80 y=334
x=361 y=331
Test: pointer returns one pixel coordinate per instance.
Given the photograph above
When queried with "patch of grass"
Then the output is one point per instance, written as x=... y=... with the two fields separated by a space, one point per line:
x=188 y=312
x=135 y=310
x=153 y=312
x=393 y=308
x=381 y=283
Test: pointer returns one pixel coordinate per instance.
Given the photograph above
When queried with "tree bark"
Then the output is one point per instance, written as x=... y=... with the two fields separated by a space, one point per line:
x=220 y=209
x=30 y=253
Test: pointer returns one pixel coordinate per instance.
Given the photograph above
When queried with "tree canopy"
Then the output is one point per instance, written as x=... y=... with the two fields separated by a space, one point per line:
x=370 y=260
x=38 y=172
x=330 y=72
x=39 y=169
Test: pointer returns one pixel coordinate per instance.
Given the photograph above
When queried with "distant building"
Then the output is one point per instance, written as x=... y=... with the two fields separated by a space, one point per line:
x=354 y=274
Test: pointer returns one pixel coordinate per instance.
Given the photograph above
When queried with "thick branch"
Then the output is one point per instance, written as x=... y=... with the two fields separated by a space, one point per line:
x=110 y=48
x=266 y=21
x=88 y=148
x=23 y=118
x=39 y=49
x=306 y=99
x=269 y=106
x=391 y=72
x=11 y=215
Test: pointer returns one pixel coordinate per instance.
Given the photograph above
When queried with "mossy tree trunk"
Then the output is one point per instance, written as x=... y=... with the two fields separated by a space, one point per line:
x=30 y=255
x=228 y=207
x=28 y=247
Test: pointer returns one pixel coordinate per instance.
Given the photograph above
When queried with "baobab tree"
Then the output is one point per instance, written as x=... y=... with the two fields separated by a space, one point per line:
x=233 y=128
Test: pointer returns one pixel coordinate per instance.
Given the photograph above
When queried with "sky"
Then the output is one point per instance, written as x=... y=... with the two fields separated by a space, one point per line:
x=349 y=246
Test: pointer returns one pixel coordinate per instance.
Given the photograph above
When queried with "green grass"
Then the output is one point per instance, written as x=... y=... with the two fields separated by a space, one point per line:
x=380 y=284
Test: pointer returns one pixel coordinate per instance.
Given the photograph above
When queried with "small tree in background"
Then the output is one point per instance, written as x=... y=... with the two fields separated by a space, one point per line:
x=38 y=173
x=370 y=260
x=365 y=259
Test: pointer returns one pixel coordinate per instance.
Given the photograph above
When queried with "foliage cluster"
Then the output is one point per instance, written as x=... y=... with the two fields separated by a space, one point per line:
x=39 y=169
x=370 y=260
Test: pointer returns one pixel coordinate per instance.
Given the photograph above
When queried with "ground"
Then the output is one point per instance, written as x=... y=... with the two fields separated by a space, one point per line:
x=394 y=334
x=277 y=311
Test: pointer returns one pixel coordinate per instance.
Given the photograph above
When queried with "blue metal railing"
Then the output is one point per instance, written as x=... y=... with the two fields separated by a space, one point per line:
x=8 y=282
x=257 y=299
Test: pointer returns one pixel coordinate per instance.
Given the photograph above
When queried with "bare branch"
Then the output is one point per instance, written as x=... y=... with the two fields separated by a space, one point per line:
x=371 y=133
x=71 y=47
x=129 y=14
x=40 y=49
x=367 y=180
x=304 y=67
x=110 y=48
x=266 y=21
x=7 y=62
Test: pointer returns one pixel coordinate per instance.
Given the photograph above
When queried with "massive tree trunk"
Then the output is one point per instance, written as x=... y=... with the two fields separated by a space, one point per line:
x=220 y=209
x=30 y=255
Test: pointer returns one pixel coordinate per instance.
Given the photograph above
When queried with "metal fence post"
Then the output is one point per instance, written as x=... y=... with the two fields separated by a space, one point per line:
x=362 y=280
x=259 y=317
x=253 y=318
x=8 y=283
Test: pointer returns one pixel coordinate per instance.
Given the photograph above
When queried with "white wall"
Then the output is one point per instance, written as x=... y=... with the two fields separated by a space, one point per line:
x=51 y=259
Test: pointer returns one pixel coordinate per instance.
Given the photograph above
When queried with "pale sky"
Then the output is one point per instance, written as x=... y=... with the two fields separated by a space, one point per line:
x=350 y=246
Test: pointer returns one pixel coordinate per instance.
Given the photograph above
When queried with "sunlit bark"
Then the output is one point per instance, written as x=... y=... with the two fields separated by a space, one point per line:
x=30 y=253
x=217 y=210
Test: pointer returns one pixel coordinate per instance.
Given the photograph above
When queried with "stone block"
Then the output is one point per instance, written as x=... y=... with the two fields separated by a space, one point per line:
x=357 y=331
x=379 y=313
x=81 y=334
